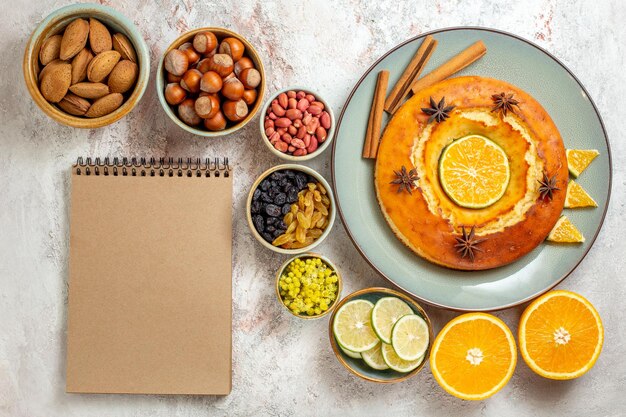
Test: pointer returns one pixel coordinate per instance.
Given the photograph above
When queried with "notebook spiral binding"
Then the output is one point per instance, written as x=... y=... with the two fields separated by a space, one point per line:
x=152 y=167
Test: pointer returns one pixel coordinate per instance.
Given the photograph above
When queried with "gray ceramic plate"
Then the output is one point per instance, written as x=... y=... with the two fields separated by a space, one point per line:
x=521 y=63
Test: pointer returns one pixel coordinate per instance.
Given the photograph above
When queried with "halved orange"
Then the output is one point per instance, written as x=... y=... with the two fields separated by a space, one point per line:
x=474 y=171
x=560 y=335
x=473 y=356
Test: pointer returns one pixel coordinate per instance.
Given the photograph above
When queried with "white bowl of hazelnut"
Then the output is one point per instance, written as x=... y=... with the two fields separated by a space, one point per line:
x=211 y=82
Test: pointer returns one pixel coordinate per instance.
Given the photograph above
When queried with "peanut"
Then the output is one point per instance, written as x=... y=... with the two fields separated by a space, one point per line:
x=296 y=122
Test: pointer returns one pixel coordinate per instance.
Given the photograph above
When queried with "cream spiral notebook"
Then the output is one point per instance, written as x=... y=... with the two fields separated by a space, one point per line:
x=150 y=277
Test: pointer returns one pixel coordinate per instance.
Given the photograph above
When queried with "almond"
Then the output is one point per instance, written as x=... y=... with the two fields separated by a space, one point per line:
x=102 y=65
x=74 y=105
x=122 y=45
x=123 y=76
x=55 y=82
x=99 y=37
x=105 y=105
x=90 y=90
x=74 y=38
x=50 y=49
x=49 y=67
x=79 y=65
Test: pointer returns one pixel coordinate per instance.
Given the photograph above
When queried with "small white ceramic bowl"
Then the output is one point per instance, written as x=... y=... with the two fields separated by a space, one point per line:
x=320 y=149
x=332 y=210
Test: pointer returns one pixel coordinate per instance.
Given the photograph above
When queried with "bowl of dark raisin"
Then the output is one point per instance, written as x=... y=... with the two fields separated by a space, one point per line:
x=290 y=209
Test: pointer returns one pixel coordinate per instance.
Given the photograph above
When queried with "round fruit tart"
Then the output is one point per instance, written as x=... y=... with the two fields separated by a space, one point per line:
x=471 y=173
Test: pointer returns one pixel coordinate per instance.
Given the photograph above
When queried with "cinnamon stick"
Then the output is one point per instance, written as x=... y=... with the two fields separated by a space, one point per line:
x=411 y=73
x=452 y=66
x=372 y=135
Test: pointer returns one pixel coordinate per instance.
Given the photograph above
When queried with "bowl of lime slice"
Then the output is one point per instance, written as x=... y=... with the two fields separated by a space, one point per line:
x=380 y=335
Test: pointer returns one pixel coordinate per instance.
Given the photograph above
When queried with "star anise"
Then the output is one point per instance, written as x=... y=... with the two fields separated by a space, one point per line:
x=504 y=103
x=438 y=111
x=467 y=244
x=547 y=187
x=405 y=179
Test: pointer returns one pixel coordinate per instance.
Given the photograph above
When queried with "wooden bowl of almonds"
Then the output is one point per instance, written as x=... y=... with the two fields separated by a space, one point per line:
x=86 y=65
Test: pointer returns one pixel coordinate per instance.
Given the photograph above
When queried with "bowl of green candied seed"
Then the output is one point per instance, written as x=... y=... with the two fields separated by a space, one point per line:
x=308 y=285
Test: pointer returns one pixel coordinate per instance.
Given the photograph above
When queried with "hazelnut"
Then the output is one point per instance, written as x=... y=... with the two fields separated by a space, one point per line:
x=171 y=78
x=187 y=112
x=250 y=77
x=229 y=76
x=174 y=94
x=249 y=96
x=176 y=62
x=191 y=81
x=191 y=53
x=232 y=47
x=204 y=106
x=235 y=111
x=217 y=122
x=211 y=82
x=203 y=65
x=242 y=64
x=204 y=42
x=221 y=63
x=215 y=102
x=232 y=89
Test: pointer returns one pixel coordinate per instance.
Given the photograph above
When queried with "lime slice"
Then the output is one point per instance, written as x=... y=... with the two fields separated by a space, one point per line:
x=385 y=314
x=374 y=358
x=349 y=353
x=394 y=362
x=474 y=171
x=352 y=327
x=409 y=337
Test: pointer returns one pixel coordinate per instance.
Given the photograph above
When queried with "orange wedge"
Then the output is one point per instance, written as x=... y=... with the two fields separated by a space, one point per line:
x=579 y=159
x=577 y=196
x=560 y=335
x=564 y=231
x=473 y=356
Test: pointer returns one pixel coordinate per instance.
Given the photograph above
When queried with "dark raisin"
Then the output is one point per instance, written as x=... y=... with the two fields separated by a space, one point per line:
x=255 y=207
x=286 y=208
x=265 y=185
x=271 y=220
x=267 y=237
x=281 y=225
x=292 y=195
x=280 y=199
x=301 y=180
x=266 y=197
x=273 y=192
x=287 y=187
x=270 y=229
x=256 y=194
x=278 y=232
x=258 y=223
x=289 y=173
x=272 y=210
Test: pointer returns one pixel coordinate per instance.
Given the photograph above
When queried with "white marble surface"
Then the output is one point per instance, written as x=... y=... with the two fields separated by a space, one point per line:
x=282 y=366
